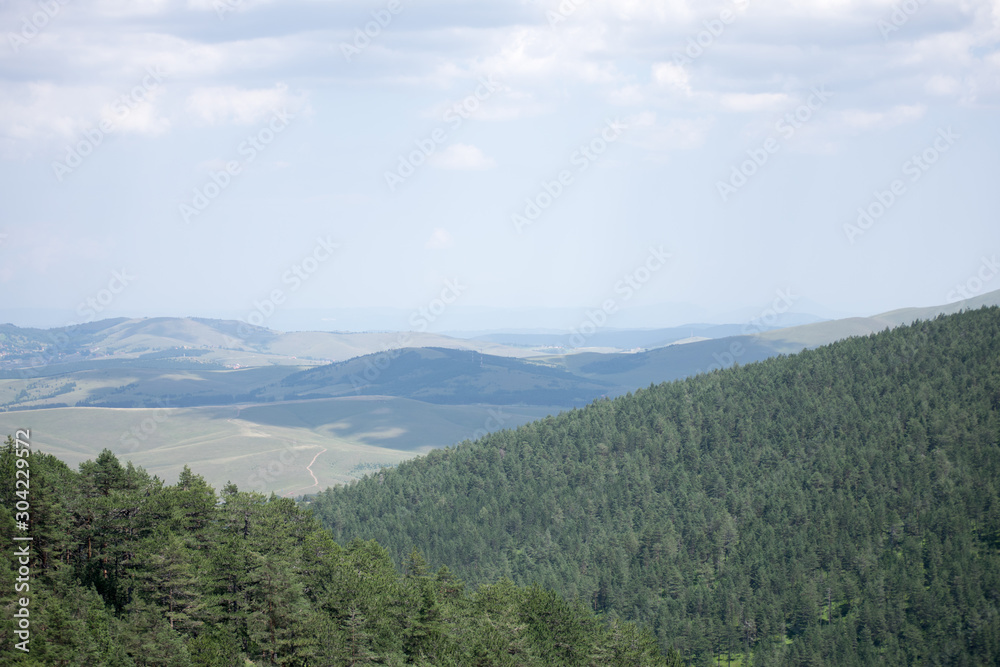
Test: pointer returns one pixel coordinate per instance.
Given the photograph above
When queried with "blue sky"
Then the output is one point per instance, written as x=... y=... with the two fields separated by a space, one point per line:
x=227 y=157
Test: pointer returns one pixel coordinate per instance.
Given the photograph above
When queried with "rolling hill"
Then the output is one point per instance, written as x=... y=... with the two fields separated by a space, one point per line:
x=679 y=361
x=439 y=375
x=220 y=342
x=838 y=506
x=266 y=447
x=105 y=378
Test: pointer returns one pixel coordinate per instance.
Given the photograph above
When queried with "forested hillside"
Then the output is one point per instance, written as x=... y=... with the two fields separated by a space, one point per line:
x=837 y=507
x=126 y=571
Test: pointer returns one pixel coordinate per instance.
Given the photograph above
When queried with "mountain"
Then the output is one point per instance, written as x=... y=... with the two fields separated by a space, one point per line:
x=840 y=506
x=680 y=361
x=166 y=392
x=793 y=339
x=223 y=343
x=439 y=375
x=632 y=338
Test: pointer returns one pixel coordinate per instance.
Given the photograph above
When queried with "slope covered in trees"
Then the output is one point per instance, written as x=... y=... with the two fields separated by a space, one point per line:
x=127 y=571
x=839 y=507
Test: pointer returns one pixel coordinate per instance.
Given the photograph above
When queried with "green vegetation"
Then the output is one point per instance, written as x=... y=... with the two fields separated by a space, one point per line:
x=127 y=571
x=838 y=507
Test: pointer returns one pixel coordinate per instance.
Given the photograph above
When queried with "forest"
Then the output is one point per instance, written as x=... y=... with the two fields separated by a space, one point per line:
x=840 y=506
x=127 y=571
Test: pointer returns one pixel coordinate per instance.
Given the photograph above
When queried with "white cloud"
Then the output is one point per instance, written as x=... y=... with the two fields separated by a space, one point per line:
x=462 y=157
x=229 y=104
x=741 y=102
x=868 y=120
x=673 y=77
x=225 y=8
x=37 y=115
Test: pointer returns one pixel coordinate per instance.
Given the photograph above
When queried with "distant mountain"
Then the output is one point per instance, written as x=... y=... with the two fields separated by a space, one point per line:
x=223 y=342
x=447 y=376
x=676 y=362
x=234 y=402
x=627 y=339
x=194 y=361
x=794 y=339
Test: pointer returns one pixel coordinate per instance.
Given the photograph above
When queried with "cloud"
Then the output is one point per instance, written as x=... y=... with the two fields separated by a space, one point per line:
x=755 y=101
x=672 y=77
x=868 y=120
x=461 y=157
x=43 y=115
x=439 y=240
x=229 y=104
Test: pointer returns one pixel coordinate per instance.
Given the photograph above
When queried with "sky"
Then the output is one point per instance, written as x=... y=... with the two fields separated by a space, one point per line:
x=464 y=165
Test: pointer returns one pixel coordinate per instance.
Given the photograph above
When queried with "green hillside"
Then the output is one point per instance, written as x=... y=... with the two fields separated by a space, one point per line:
x=837 y=507
x=114 y=568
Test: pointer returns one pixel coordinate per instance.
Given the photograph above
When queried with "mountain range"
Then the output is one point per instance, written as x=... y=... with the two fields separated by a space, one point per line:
x=290 y=412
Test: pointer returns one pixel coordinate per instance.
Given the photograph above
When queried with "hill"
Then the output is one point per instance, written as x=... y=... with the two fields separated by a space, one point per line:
x=627 y=339
x=438 y=375
x=839 y=506
x=756 y=342
x=115 y=568
x=287 y=448
x=224 y=343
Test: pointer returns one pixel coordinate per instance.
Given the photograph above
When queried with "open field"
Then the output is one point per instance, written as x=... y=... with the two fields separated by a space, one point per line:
x=265 y=447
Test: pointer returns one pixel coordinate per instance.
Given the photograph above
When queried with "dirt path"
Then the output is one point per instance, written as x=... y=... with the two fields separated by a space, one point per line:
x=311 y=474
